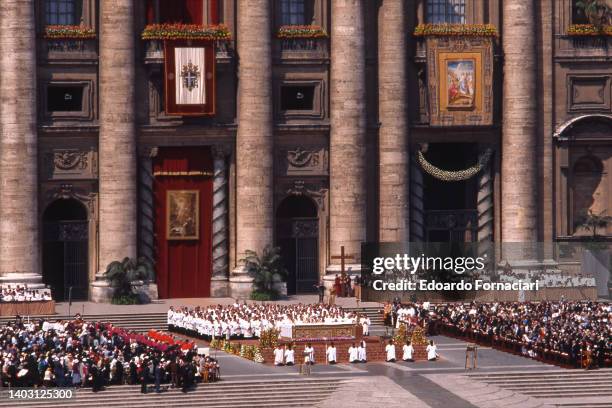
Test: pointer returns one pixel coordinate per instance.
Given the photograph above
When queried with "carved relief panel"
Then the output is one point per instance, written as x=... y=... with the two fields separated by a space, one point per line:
x=70 y=163
x=302 y=160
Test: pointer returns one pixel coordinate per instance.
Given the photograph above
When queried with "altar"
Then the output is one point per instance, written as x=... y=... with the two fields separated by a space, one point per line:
x=43 y=307
x=327 y=331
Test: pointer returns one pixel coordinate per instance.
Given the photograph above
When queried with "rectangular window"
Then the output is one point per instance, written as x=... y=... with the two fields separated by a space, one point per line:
x=297 y=97
x=62 y=12
x=64 y=98
x=578 y=14
x=293 y=12
x=446 y=11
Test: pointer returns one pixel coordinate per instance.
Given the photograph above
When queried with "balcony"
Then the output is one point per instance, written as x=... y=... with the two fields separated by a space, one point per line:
x=301 y=48
x=67 y=49
x=583 y=47
x=154 y=51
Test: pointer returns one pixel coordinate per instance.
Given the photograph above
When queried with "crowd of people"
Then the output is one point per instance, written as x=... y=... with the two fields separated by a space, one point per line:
x=84 y=354
x=23 y=294
x=395 y=313
x=569 y=331
x=241 y=320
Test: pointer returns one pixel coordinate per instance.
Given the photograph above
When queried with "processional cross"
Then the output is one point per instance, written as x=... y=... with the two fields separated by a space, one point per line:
x=342 y=257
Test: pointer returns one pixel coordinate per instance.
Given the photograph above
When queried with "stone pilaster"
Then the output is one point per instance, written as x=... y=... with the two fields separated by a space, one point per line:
x=519 y=170
x=220 y=233
x=254 y=139
x=19 y=232
x=118 y=178
x=392 y=139
x=348 y=129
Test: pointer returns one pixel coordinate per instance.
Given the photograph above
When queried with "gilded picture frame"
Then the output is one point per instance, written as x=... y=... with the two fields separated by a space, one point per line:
x=182 y=215
x=460 y=81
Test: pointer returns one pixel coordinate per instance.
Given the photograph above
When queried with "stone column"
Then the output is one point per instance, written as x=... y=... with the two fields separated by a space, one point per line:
x=254 y=139
x=117 y=141
x=393 y=143
x=485 y=205
x=519 y=188
x=19 y=233
x=348 y=132
x=220 y=233
x=417 y=204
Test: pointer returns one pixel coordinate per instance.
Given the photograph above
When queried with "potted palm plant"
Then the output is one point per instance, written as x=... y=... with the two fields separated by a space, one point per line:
x=267 y=271
x=596 y=254
x=123 y=274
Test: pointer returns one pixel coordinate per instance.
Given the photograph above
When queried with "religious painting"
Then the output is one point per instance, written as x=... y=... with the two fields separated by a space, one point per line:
x=182 y=214
x=460 y=81
x=460 y=76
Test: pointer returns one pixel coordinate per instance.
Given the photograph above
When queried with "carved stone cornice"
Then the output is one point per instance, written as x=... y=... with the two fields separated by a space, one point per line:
x=315 y=190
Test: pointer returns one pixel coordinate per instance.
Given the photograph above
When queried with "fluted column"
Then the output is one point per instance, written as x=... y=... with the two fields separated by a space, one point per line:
x=19 y=234
x=254 y=139
x=518 y=174
x=117 y=141
x=348 y=129
x=393 y=144
x=220 y=233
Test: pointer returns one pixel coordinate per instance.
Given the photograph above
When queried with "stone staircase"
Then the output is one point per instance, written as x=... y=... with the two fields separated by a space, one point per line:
x=134 y=322
x=567 y=388
x=281 y=393
x=374 y=313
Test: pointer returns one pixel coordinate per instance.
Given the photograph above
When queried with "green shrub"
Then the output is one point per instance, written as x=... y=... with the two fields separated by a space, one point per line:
x=131 y=299
x=264 y=296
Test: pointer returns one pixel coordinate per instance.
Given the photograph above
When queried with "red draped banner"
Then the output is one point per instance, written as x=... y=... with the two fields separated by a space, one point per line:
x=184 y=265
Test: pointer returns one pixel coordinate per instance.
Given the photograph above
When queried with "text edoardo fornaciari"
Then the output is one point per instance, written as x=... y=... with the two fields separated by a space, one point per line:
x=458 y=265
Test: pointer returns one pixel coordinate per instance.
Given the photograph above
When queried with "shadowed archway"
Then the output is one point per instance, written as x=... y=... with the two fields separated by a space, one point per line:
x=297 y=234
x=65 y=249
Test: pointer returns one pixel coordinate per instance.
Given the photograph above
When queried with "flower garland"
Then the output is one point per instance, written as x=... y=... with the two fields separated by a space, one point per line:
x=458 y=175
x=269 y=338
x=69 y=32
x=301 y=31
x=252 y=353
x=578 y=30
x=469 y=30
x=186 y=32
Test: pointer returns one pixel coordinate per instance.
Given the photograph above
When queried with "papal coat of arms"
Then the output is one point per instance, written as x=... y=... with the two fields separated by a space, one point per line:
x=190 y=73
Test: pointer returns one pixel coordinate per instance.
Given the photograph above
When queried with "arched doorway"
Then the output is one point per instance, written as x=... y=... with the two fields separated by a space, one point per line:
x=588 y=190
x=297 y=234
x=65 y=249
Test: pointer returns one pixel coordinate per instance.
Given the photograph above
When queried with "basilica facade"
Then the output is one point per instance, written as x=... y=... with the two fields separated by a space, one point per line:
x=185 y=133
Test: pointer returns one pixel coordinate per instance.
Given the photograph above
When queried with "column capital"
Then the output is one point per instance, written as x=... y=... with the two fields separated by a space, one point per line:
x=221 y=151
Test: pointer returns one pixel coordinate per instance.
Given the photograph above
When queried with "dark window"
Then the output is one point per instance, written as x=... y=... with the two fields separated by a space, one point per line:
x=446 y=11
x=297 y=97
x=578 y=14
x=293 y=12
x=62 y=12
x=64 y=98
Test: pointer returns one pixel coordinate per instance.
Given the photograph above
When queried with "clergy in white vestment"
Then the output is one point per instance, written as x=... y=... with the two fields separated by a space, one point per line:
x=432 y=351
x=361 y=350
x=390 y=350
x=309 y=354
x=279 y=355
x=408 y=352
x=353 y=354
x=331 y=354
x=289 y=356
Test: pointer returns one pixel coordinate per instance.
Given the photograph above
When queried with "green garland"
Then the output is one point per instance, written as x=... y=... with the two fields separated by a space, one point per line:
x=457 y=175
x=453 y=30
x=586 y=30
x=180 y=31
